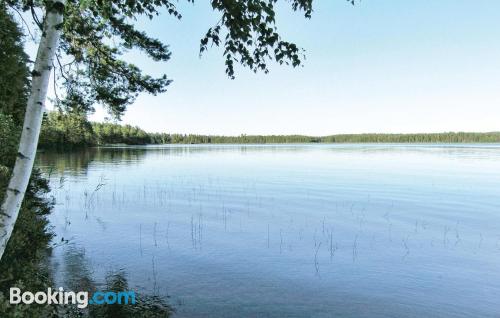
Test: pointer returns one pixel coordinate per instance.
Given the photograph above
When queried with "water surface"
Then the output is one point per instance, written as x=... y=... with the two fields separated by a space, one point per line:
x=286 y=230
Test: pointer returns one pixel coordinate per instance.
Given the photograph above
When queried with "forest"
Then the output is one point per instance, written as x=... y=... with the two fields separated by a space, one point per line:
x=73 y=130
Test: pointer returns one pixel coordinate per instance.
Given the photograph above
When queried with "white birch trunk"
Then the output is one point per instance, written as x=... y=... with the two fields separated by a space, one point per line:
x=32 y=122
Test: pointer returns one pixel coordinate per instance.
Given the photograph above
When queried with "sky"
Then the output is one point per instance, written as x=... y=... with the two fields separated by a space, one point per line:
x=381 y=66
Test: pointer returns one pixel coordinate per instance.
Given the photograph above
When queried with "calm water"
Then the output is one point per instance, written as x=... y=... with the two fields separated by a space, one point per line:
x=286 y=230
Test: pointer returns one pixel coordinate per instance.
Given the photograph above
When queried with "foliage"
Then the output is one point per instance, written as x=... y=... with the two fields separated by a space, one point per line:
x=252 y=36
x=22 y=263
x=9 y=137
x=13 y=68
x=65 y=131
x=96 y=34
x=108 y=133
x=73 y=130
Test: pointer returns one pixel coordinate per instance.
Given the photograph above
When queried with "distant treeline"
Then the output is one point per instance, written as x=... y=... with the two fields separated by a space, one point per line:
x=73 y=130
x=451 y=137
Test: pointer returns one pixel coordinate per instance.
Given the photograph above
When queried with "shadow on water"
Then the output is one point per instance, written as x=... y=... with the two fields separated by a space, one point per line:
x=77 y=162
x=78 y=277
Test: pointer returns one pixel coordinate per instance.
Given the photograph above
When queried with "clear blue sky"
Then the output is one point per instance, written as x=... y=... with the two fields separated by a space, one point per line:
x=380 y=66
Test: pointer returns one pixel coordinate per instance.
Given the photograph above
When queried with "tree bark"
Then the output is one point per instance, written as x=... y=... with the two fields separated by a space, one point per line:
x=32 y=121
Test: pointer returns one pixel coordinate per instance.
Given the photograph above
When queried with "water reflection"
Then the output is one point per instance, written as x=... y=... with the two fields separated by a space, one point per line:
x=77 y=276
x=78 y=161
x=287 y=230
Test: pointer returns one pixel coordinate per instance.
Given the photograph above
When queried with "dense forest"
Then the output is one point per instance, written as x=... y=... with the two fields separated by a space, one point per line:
x=23 y=263
x=70 y=130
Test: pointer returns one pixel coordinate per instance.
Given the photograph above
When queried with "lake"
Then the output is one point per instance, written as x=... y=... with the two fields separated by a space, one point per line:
x=285 y=230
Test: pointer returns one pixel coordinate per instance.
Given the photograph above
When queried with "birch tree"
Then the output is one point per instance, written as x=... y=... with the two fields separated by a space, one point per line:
x=32 y=121
x=82 y=44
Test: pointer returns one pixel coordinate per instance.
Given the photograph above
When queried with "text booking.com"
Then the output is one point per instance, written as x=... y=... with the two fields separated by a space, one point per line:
x=61 y=297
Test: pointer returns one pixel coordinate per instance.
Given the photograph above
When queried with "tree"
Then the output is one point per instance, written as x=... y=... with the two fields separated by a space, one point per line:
x=32 y=122
x=94 y=35
x=21 y=265
x=14 y=70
